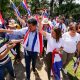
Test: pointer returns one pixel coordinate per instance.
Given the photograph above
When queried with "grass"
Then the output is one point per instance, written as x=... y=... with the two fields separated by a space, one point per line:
x=70 y=70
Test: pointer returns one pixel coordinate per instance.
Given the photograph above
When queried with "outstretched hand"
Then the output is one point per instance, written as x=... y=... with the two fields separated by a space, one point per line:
x=10 y=46
x=16 y=41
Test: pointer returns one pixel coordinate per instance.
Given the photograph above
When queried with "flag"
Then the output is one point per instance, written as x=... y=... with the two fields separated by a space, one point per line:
x=15 y=8
x=41 y=42
x=25 y=6
x=76 y=64
x=56 y=64
x=38 y=37
x=1 y=19
x=36 y=17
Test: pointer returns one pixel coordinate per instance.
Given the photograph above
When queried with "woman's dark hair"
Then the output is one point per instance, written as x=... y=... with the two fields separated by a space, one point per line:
x=32 y=21
x=58 y=33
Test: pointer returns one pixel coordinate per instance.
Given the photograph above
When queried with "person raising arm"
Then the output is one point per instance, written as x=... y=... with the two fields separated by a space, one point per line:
x=21 y=20
x=54 y=42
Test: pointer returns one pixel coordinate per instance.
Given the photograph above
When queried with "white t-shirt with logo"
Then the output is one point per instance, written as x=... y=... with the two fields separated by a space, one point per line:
x=70 y=43
x=52 y=44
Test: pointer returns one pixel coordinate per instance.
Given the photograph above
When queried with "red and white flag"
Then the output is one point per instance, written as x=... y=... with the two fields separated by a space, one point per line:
x=1 y=19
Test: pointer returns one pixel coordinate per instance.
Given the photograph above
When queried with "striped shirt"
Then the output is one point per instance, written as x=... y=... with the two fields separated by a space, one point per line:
x=6 y=58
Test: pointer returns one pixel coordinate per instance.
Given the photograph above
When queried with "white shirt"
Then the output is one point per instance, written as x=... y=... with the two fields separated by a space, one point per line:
x=31 y=38
x=22 y=32
x=52 y=44
x=70 y=43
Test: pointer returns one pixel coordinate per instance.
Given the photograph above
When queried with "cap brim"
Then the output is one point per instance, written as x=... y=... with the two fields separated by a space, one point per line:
x=45 y=22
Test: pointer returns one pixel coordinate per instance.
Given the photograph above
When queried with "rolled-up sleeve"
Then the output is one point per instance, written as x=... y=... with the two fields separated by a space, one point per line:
x=20 y=31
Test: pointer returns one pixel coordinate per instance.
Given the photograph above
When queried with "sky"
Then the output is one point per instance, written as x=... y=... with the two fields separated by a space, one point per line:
x=78 y=1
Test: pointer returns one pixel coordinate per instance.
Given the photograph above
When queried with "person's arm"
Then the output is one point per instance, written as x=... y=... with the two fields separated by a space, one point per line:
x=3 y=53
x=16 y=32
x=6 y=51
x=20 y=20
x=40 y=28
x=16 y=41
x=61 y=49
x=6 y=30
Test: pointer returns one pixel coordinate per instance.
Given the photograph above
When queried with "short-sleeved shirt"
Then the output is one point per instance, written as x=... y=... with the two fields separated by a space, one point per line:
x=12 y=36
x=22 y=32
x=70 y=43
x=6 y=58
x=52 y=44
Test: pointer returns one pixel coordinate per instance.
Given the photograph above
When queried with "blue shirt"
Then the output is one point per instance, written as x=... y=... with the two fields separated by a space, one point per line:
x=22 y=32
x=12 y=36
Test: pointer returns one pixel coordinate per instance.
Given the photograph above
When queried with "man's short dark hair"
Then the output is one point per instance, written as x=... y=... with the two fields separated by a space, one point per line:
x=32 y=21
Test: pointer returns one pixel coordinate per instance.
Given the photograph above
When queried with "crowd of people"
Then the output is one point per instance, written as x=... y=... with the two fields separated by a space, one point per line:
x=57 y=39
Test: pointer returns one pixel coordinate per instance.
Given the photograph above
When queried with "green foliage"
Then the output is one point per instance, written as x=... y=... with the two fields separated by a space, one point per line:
x=70 y=70
x=36 y=5
x=7 y=9
x=69 y=8
x=4 y=6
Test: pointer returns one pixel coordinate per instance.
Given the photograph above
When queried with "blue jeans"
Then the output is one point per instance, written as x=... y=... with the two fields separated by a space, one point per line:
x=9 y=67
x=28 y=57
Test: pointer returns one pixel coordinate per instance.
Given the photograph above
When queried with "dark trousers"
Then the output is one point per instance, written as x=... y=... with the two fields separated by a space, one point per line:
x=48 y=64
x=28 y=57
x=45 y=46
x=9 y=67
x=17 y=49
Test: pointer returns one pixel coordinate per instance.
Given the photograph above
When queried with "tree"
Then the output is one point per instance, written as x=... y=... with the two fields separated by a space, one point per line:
x=36 y=5
x=51 y=7
x=4 y=5
x=60 y=2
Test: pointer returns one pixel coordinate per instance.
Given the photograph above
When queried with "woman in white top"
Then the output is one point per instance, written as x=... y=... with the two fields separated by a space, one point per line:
x=70 y=40
x=54 y=40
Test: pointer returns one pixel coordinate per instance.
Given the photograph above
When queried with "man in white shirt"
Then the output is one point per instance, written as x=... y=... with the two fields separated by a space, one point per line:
x=31 y=44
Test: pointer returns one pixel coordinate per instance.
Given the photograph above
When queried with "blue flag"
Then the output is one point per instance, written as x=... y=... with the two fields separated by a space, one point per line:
x=15 y=8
